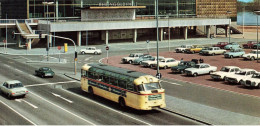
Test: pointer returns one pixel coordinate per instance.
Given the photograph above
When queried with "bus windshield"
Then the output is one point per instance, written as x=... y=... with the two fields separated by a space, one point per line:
x=152 y=86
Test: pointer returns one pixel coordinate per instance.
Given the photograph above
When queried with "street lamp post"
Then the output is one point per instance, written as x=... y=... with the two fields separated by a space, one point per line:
x=257 y=12
x=6 y=34
x=169 y=35
x=229 y=27
x=48 y=39
x=157 y=39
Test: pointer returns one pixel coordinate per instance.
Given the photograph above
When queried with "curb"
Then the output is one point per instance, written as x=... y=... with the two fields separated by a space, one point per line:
x=70 y=77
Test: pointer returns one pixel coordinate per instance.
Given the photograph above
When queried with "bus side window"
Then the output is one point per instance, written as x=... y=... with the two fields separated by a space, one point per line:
x=83 y=73
x=96 y=76
x=113 y=81
x=90 y=74
x=122 y=84
x=130 y=86
x=106 y=79
x=140 y=87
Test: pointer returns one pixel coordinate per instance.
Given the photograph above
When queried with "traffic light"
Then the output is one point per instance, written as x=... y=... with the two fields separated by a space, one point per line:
x=76 y=55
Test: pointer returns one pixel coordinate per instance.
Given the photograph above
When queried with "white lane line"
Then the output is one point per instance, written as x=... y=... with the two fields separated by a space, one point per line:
x=18 y=70
x=20 y=100
x=18 y=113
x=107 y=107
x=33 y=76
x=7 y=65
x=56 y=95
x=63 y=109
x=64 y=82
x=88 y=58
x=101 y=60
x=172 y=83
x=25 y=58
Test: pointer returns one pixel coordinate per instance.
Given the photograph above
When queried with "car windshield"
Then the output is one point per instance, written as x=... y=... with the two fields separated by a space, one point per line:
x=197 y=66
x=210 y=48
x=46 y=69
x=254 y=52
x=131 y=55
x=152 y=86
x=183 y=46
x=241 y=72
x=224 y=69
x=256 y=75
x=16 y=85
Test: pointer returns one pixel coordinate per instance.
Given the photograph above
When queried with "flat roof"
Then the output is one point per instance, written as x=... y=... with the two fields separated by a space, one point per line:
x=115 y=7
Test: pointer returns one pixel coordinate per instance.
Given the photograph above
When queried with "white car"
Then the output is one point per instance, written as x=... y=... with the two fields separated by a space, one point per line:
x=152 y=62
x=213 y=51
x=238 y=76
x=91 y=50
x=13 y=88
x=224 y=71
x=182 y=48
x=168 y=63
x=253 y=81
x=252 y=55
x=131 y=57
x=199 y=69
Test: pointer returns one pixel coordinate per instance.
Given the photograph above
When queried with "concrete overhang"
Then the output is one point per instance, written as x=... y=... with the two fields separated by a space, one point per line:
x=136 y=24
x=116 y=7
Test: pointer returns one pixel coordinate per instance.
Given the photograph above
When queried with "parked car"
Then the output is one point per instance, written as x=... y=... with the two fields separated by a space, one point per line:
x=152 y=62
x=44 y=72
x=200 y=69
x=13 y=88
x=232 y=45
x=168 y=63
x=182 y=48
x=256 y=45
x=131 y=57
x=237 y=52
x=249 y=44
x=91 y=50
x=238 y=76
x=213 y=51
x=224 y=71
x=194 y=49
x=203 y=49
x=182 y=66
x=252 y=55
x=141 y=59
x=221 y=45
x=253 y=81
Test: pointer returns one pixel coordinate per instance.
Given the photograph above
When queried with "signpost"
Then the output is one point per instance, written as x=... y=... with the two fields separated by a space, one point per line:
x=147 y=41
x=107 y=48
x=59 y=48
x=159 y=75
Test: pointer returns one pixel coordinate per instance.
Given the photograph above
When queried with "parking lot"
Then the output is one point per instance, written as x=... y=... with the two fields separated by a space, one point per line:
x=217 y=60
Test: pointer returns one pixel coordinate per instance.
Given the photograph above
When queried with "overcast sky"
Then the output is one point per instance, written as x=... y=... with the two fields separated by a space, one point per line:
x=246 y=0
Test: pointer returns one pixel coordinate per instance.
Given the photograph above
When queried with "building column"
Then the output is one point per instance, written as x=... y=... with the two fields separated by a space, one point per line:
x=106 y=37
x=208 y=31
x=29 y=46
x=57 y=10
x=79 y=38
x=161 y=34
x=185 y=33
x=50 y=39
x=194 y=30
x=135 y=35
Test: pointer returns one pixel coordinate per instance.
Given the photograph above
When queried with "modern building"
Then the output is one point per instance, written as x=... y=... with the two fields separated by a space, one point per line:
x=104 y=21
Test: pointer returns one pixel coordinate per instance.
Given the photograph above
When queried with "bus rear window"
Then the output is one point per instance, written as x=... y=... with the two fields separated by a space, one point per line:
x=152 y=86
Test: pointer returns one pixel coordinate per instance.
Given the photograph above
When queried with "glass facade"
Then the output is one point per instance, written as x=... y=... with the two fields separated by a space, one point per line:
x=71 y=8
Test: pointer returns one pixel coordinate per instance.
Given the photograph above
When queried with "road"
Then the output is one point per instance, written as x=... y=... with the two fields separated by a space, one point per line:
x=60 y=101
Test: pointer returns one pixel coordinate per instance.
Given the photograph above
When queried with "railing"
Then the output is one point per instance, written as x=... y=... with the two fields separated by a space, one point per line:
x=7 y=21
x=19 y=28
x=28 y=26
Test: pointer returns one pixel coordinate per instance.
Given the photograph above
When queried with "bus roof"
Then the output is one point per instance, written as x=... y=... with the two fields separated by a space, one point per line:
x=122 y=71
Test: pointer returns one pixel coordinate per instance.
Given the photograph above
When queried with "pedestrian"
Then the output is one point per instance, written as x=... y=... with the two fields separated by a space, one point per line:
x=201 y=60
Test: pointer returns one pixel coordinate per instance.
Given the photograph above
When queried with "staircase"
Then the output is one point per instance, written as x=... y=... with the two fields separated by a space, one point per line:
x=24 y=29
x=233 y=29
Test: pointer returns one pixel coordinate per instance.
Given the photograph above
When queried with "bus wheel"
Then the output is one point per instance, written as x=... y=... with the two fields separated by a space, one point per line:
x=121 y=102
x=90 y=91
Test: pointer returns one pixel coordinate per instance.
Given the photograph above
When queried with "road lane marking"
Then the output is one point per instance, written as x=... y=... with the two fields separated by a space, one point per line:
x=64 y=82
x=172 y=83
x=7 y=65
x=88 y=58
x=106 y=107
x=100 y=61
x=25 y=58
x=18 y=113
x=18 y=70
x=56 y=95
x=63 y=109
x=20 y=100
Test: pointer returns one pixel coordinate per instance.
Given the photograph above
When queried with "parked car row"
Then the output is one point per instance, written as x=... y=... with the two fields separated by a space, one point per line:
x=236 y=75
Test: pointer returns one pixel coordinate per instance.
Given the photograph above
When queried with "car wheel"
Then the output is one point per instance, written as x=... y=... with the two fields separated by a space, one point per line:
x=259 y=85
x=42 y=76
x=182 y=51
x=90 y=91
x=140 y=63
x=193 y=52
x=9 y=96
x=182 y=71
x=151 y=66
x=213 y=54
x=252 y=58
x=83 y=52
x=224 y=78
x=95 y=53
x=231 y=57
x=165 y=67
x=23 y=96
x=130 y=61
x=121 y=102
x=210 y=72
x=195 y=74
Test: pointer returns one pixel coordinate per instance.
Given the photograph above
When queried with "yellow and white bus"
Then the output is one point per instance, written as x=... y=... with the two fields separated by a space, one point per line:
x=128 y=88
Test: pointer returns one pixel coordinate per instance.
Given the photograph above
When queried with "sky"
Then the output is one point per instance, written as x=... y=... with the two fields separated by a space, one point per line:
x=246 y=0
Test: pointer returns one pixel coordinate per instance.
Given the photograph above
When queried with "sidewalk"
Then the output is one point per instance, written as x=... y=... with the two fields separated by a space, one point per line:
x=199 y=111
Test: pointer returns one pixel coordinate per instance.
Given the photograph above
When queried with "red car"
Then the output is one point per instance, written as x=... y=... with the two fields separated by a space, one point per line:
x=249 y=44
x=221 y=44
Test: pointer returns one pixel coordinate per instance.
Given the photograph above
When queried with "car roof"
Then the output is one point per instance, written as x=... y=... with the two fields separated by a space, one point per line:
x=231 y=66
x=169 y=58
x=13 y=81
x=202 y=64
x=247 y=69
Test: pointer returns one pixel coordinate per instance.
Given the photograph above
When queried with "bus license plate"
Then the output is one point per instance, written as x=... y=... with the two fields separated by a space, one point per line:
x=154 y=97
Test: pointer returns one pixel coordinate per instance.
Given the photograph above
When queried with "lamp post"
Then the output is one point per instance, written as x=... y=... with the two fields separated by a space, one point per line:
x=229 y=12
x=257 y=12
x=169 y=35
x=157 y=39
x=48 y=39
x=6 y=34
x=243 y=19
